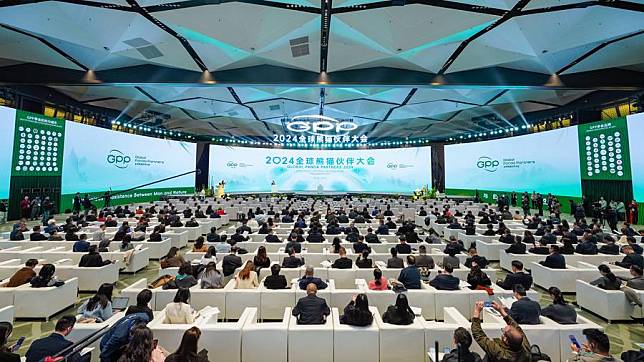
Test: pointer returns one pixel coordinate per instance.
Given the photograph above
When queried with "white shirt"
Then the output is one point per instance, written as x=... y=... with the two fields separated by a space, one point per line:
x=178 y=313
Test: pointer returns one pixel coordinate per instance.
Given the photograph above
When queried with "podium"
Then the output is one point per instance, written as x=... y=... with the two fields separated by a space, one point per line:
x=220 y=191
x=273 y=188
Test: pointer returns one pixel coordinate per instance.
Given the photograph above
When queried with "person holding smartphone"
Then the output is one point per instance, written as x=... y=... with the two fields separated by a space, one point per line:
x=8 y=353
x=596 y=348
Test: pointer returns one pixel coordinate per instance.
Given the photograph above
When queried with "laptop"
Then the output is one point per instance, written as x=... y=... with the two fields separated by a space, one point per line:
x=120 y=303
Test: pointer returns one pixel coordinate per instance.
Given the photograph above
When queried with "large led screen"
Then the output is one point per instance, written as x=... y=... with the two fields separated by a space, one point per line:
x=546 y=162
x=97 y=159
x=635 y=131
x=401 y=170
x=7 y=123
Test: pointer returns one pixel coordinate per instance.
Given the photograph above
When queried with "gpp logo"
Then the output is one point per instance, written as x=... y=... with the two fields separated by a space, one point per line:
x=232 y=164
x=118 y=159
x=487 y=163
x=392 y=166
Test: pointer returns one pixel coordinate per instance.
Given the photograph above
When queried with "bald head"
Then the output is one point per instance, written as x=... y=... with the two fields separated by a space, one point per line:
x=311 y=289
x=513 y=338
x=309 y=271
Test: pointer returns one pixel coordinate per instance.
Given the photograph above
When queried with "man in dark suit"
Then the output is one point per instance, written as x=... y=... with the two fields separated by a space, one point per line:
x=310 y=279
x=315 y=237
x=271 y=237
x=244 y=227
x=360 y=245
x=631 y=258
x=549 y=237
x=390 y=224
x=36 y=235
x=586 y=247
x=542 y=249
x=238 y=236
x=311 y=309
x=371 y=238
x=517 y=248
x=524 y=310
x=230 y=263
x=382 y=229
x=445 y=280
x=555 y=260
x=517 y=277
x=342 y=262
x=403 y=247
x=410 y=275
x=93 y=259
x=55 y=342
x=291 y=261
x=333 y=229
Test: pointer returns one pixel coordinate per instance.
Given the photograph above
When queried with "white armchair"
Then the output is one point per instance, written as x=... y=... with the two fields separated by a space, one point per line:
x=267 y=341
x=346 y=338
x=29 y=301
x=300 y=336
x=401 y=343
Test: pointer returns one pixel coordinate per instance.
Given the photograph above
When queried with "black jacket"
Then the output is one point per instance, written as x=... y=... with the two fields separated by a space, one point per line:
x=481 y=261
x=525 y=311
x=342 y=263
x=315 y=238
x=445 y=282
x=311 y=310
x=611 y=249
x=230 y=263
x=517 y=248
x=47 y=346
x=275 y=282
x=292 y=262
x=560 y=313
x=364 y=263
x=399 y=317
x=355 y=317
x=403 y=248
x=554 y=261
x=513 y=279
x=372 y=239
x=37 y=237
x=92 y=260
x=359 y=247
x=587 y=248
x=271 y=238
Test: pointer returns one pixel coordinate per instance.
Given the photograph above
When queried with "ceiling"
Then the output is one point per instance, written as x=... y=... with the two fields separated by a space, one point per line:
x=415 y=68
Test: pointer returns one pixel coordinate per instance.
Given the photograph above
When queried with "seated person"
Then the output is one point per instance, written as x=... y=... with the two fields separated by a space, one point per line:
x=211 y=278
x=507 y=237
x=247 y=277
x=310 y=279
x=142 y=304
x=478 y=279
x=608 y=280
x=394 y=262
x=517 y=248
x=180 y=311
x=126 y=243
x=93 y=259
x=231 y=262
x=54 y=343
x=517 y=277
x=475 y=259
x=586 y=247
x=637 y=280
x=423 y=260
x=631 y=258
x=597 y=347
x=16 y=234
x=490 y=230
x=363 y=260
x=360 y=245
x=372 y=238
x=463 y=341
x=357 y=313
x=172 y=259
x=567 y=248
x=46 y=278
x=292 y=261
x=184 y=278
x=548 y=237
x=271 y=237
x=451 y=259
x=311 y=309
x=524 y=310
x=410 y=275
x=23 y=275
x=96 y=309
x=342 y=262
x=554 y=260
x=609 y=247
x=275 y=280
x=400 y=313
x=212 y=236
x=156 y=235
x=559 y=311
x=36 y=235
x=379 y=282
x=542 y=249
x=445 y=280
x=199 y=246
x=82 y=245
x=192 y=223
x=6 y=351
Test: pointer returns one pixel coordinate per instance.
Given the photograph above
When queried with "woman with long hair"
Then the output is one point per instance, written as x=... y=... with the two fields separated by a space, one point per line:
x=247 y=277
x=336 y=245
x=172 y=259
x=261 y=260
x=179 y=311
x=46 y=278
x=187 y=351
x=379 y=282
x=559 y=311
x=478 y=279
x=199 y=246
x=5 y=351
x=96 y=309
x=211 y=278
x=141 y=347
x=357 y=313
x=400 y=313
x=608 y=280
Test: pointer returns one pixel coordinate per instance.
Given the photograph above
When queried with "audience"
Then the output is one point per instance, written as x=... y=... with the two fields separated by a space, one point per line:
x=23 y=275
x=187 y=351
x=513 y=346
x=6 y=352
x=400 y=313
x=275 y=280
x=357 y=312
x=597 y=347
x=247 y=277
x=230 y=263
x=179 y=311
x=310 y=279
x=363 y=260
x=475 y=259
x=183 y=279
x=342 y=262
x=410 y=275
x=379 y=282
x=82 y=245
x=559 y=311
x=172 y=259
x=608 y=280
x=524 y=310
x=46 y=278
x=394 y=262
x=554 y=260
x=142 y=304
x=211 y=278
x=93 y=259
x=631 y=258
x=141 y=347
x=54 y=343
x=478 y=279
x=637 y=280
x=462 y=341
x=311 y=309
x=445 y=280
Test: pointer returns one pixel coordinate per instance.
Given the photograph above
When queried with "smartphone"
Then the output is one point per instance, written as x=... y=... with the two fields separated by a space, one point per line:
x=487 y=304
x=574 y=341
x=19 y=343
